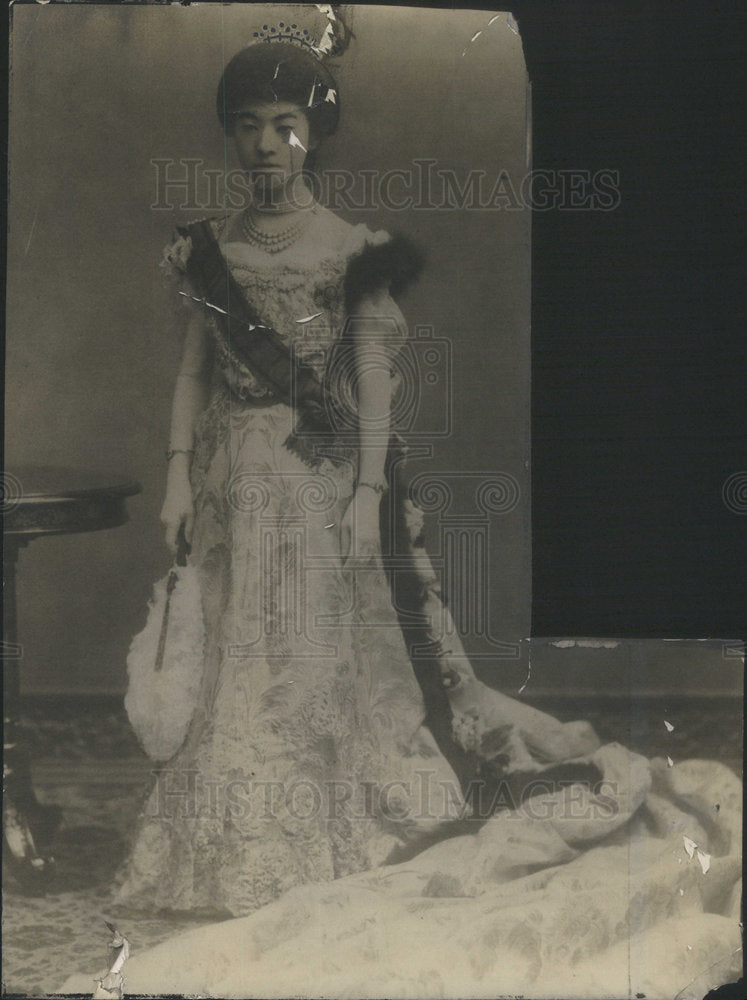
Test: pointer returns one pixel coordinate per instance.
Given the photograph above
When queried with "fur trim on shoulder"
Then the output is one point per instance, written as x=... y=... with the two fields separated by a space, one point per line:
x=392 y=266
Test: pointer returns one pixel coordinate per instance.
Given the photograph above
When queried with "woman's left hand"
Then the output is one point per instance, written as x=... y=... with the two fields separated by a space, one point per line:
x=359 y=531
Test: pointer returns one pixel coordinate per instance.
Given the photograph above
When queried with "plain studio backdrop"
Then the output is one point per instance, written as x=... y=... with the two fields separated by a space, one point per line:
x=100 y=93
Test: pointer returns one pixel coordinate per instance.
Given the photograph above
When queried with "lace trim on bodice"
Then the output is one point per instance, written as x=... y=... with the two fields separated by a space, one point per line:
x=302 y=301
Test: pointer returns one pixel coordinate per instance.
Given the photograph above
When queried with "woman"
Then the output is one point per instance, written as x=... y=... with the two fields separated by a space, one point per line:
x=308 y=693
x=307 y=757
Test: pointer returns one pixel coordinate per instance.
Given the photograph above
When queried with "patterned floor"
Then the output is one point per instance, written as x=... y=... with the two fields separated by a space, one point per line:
x=88 y=763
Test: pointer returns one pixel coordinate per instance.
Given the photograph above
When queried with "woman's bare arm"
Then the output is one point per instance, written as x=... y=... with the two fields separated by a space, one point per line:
x=374 y=416
x=190 y=399
x=191 y=389
x=374 y=382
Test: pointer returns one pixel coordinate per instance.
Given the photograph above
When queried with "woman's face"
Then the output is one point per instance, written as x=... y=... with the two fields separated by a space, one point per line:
x=272 y=142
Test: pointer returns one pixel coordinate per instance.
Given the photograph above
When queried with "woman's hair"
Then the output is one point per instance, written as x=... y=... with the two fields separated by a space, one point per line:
x=279 y=71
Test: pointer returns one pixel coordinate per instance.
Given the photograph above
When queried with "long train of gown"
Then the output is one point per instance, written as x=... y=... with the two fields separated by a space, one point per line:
x=631 y=891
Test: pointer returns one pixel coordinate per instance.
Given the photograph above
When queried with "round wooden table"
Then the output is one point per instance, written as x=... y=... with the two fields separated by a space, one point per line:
x=37 y=501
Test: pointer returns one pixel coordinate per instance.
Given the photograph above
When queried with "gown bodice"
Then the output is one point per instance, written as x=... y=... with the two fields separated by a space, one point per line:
x=301 y=296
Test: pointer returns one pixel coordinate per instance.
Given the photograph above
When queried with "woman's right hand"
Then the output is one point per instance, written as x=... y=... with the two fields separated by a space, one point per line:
x=178 y=507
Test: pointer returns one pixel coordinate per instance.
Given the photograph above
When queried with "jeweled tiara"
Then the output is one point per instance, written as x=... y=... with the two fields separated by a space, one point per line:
x=334 y=38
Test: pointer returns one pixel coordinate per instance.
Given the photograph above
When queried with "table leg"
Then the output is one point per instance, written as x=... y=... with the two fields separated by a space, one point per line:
x=28 y=826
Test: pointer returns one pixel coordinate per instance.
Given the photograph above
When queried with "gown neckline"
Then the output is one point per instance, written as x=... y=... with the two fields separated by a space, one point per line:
x=241 y=254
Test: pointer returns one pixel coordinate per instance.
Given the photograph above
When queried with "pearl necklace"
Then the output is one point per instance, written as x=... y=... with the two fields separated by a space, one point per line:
x=275 y=242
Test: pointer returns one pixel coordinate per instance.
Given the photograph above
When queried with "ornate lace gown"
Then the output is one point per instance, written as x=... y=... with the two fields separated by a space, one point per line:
x=307 y=758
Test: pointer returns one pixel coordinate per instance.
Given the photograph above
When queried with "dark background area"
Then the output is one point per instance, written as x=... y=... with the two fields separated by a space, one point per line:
x=638 y=340
x=638 y=335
